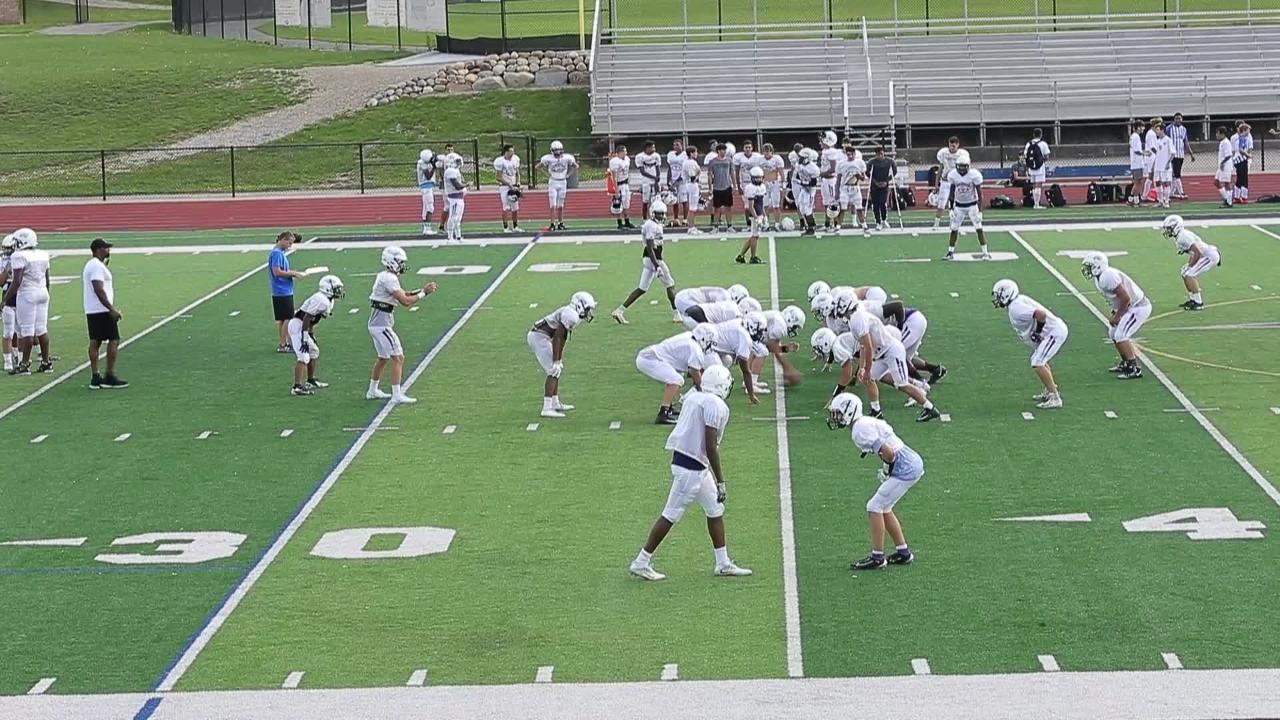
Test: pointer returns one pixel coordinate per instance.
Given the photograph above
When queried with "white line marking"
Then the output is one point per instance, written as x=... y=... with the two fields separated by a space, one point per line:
x=417 y=679
x=1066 y=517
x=244 y=251
x=670 y=671
x=40 y=687
x=1109 y=414
x=286 y=432
x=946 y=417
x=533 y=305
x=1028 y=416
x=531 y=427
x=544 y=674
x=1255 y=287
x=55 y=317
x=353 y=311
x=1266 y=486
x=1275 y=410
x=893 y=296
x=1191 y=410
x=1265 y=231
x=50 y=542
x=615 y=425
x=123 y=436
x=205 y=435
x=1171 y=661
x=363 y=429
x=920 y=666
x=449 y=429
x=1107 y=228
x=790 y=586
x=415 y=308
x=1048 y=663
x=233 y=313
x=294 y=680
x=955 y=295
x=237 y=595
x=38 y=439
x=789 y=418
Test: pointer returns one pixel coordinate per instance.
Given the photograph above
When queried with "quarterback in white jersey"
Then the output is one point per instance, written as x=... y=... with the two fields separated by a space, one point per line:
x=675 y=182
x=903 y=468
x=947 y=157
x=670 y=360
x=1222 y=175
x=1161 y=153
x=774 y=171
x=851 y=171
x=385 y=297
x=651 y=265
x=29 y=291
x=507 y=169
x=965 y=201
x=696 y=474
x=302 y=334
x=1202 y=257
x=1040 y=329
x=427 y=169
x=1130 y=308
x=547 y=339
x=559 y=165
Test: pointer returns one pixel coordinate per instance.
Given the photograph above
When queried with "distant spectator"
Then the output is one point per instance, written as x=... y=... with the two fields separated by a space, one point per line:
x=102 y=316
x=282 y=278
x=1137 y=164
x=1036 y=154
x=1177 y=132
x=720 y=169
x=1243 y=144
x=882 y=171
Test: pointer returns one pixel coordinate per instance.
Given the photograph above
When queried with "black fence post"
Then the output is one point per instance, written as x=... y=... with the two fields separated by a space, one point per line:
x=720 y=19
x=233 y=171
x=361 y=168
x=502 y=21
x=275 y=28
x=349 y=46
x=222 y=18
x=926 y=17
x=102 y=165
x=530 y=159
x=399 y=44
x=475 y=153
x=244 y=15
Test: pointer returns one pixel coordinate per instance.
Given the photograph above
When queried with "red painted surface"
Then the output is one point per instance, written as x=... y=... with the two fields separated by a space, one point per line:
x=287 y=212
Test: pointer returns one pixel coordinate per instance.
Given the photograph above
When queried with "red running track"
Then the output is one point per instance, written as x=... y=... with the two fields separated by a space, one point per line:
x=287 y=212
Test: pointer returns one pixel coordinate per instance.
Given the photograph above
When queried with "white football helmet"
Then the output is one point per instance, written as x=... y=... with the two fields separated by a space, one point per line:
x=788 y=224
x=426 y=155
x=704 y=334
x=25 y=239
x=810 y=153
x=737 y=292
x=817 y=287
x=962 y=161
x=1004 y=292
x=584 y=304
x=8 y=245
x=823 y=342
x=845 y=409
x=828 y=139
x=395 y=259
x=794 y=318
x=845 y=301
x=821 y=306
x=756 y=325
x=717 y=381
x=749 y=305
x=757 y=174
x=1172 y=225
x=730 y=150
x=668 y=198
x=658 y=210
x=557 y=147
x=332 y=287
x=1093 y=264
x=776 y=326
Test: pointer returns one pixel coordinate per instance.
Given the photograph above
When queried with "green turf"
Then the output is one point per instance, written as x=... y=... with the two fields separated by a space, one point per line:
x=41 y=14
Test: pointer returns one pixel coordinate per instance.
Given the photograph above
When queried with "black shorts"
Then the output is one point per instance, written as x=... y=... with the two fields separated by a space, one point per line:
x=102 y=327
x=722 y=198
x=283 y=306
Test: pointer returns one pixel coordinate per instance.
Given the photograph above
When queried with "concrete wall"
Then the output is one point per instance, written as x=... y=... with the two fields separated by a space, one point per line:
x=9 y=12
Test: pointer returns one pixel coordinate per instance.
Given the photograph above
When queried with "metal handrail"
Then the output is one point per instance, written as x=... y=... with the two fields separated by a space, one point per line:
x=595 y=45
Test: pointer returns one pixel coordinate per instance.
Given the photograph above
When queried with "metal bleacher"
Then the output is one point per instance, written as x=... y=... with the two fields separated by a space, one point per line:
x=945 y=72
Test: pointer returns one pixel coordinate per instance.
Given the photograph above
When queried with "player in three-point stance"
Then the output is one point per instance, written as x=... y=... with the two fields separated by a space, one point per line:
x=1130 y=308
x=1040 y=329
x=651 y=265
x=965 y=201
x=427 y=169
x=547 y=339
x=386 y=295
x=559 y=165
x=671 y=360
x=696 y=473
x=753 y=197
x=1202 y=257
x=303 y=338
x=903 y=468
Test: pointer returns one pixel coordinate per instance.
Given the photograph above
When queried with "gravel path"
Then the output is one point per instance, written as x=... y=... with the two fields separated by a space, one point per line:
x=116 y=4
x=97 y=28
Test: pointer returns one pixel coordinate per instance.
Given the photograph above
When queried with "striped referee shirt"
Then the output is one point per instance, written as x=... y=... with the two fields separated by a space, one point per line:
x=1177 y=133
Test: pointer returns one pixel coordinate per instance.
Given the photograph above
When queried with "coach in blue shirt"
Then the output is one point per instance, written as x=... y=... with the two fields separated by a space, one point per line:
x=282 y=286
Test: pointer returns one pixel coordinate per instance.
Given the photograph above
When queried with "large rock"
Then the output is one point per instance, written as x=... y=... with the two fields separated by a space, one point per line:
x=489 y=83
x=579 y=78
x=459 y=87
x=518 y=79
x=550 y=77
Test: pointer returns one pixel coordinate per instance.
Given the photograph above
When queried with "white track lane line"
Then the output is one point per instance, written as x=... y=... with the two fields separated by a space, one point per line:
x=201 y=641
x=1258 y=478
x=790 y=586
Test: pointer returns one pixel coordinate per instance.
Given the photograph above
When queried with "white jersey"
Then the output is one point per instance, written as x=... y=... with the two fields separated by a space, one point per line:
x=870 y=435
x=845 y=349
x=806 y=175
x=830 y=159
x=946 y=162
x=564 y=317
x=703 y=295
x=721 y=311
x=1243 y=147
x=620 y=169
x=753 y=196
x=743 y=163
x=1187 y=240
x=318 y=306
x=454 y=186
x=675 y=166
x=1135 y=152
x=774 y=167
x=451 y=159
x=1149 y=142
x=733 y=339
x=1109 y=283
x=700 y=410
x=775 y=326
x=692 y=170
x=680 y=352
x=385 y=287
x=964 y=188
x=863 y=324
x=1226 y=154
x=558 y=168
x=508 y=170
x=1022 y=316
x=650 y=167
x=34 y=264
x=651 y=231
x=1161 y=150
x=427 y=174
x=851 y=170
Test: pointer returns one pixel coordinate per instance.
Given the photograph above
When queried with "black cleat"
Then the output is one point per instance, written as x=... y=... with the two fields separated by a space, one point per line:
x=870 y=562
x=1192 y=305
x=927 y=414
x=45 y=366
x=1131 y=373
x=756 y=261
x=1225 y=204
x=740 y=260
x=665 y=417
x=900 y=558
x=877 y=414
x=936 y=376
x=560 y=226
x=21 y=369
x=95 y=382
x=301 y=390
x=949 y=256
x=1118 y=368
x=111 y=382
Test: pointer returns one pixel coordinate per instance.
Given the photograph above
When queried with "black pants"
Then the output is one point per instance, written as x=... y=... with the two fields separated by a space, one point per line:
x=1177 y=168
x=1242 y=175
x=880 y=203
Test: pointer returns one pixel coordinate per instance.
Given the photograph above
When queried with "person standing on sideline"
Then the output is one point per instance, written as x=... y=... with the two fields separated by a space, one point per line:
x=507 y=167
x=1137 y=164
x=691 y=199
x=282 y=286
x=881 y=170
x=675 y=182
x=427 y=171
x=103 y=317
x=720 y=170
x=559 y=165
x=29 y=288
x=455 y=201
x=1035 y=155
x=1243 y=144
x=620 y=174
x=1177 y=132
x=8 y=313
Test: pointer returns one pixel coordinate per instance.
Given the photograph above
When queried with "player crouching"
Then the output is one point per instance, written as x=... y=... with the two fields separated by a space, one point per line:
x=670 y=360
x=1040 y=329
x=386 y=294
x=302 y=334
x=547 y=339
x=903 y=469
x=1130 y=308
x=1203 y=258
x=965 y=201
x=696 y=474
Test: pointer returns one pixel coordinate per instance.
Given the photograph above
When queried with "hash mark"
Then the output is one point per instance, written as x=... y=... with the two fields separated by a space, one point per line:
x=204 y=435
x=1275 y=410
x=417 y=679
x=617 y=424
x=946 y=417
x=353 y=311
x=1255 y=287
x=123 y=436
x=294 y=680
x=1048 y=663
x=670 y=671
x=415 y=308
x=653 y=302
x=55 y=317
x=1028 y=416
x=38 y=439
x=449 y=429
x=920 y=666
x=544 y=674
x=42 y=686
x=531 y=427
x=233 y=313
x=955 y=295
x=1171 y=661
x=533 y=305
x=286 y=432
x=1110 y=415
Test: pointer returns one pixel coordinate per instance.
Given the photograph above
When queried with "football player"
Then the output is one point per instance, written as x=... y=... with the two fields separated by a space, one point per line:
x=805 y=181
x=1130 y=308
x=449 y=159
x=947 y=157
x=384 y=298
x=774 y=167
x=620 y=174
x=547 y=339
x=670 y=360
x=1203 y=258
x=427 y=170
x=692 y=198
x=1161 y=152
x=882 y=358
x=965 y=201
x=753 y=196
x=651 y=265
x=1222 y=176
x=903 y=468
x=718 y=305
x=689 y=297
x=507 y=169
x=779 y=327
x=8 y=312
x=1040 y=329
x=303 y=337
x=696 y=473
x=816 y=288
x=455 y=199
x=744 y=161
x=649 y=165
x=852 y=170
x=829 y=170
x=29 y=291
x=738 y=342
x=559 y=165
x=675 y=182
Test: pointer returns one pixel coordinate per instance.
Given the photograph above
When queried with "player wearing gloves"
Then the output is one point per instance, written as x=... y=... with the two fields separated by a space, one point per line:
x=386 y=295
x=1040 y=329
x=302 y=334
x=651 y=265
x=671 y=360
x=547 y=339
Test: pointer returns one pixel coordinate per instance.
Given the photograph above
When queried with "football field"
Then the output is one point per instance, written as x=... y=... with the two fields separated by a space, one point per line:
x=204 y=530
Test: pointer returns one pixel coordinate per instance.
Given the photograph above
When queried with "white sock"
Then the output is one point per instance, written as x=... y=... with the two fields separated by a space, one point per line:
x=984 y=249
x=722 y=556
x=644 y=558
x=373 y=386
x=1197 y=297
x=875 y=405
x=1226 y=196
x=928 y=404
x=1035 y=194
x=547 y=403
x=396 y=391
x=1244 y=193
x=1177 y=187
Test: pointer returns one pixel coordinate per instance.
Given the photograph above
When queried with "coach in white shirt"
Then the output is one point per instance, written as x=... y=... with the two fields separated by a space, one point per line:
x=102 y=315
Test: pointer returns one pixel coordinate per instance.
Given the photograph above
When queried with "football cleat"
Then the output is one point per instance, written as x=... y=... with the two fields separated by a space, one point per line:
x=1192 y=305
x=731 y=570
x=1118 y=368
x=984 y=256
x=1040 y=397
x=949 y=256
x=901 y=558
x=315 y=384
x=756 y=261
x=666 y=417
x=403 y=399
x=376 y=394
x=1052 y=402
x=927 y=414
x=877 y=414
x=95 y=382
x=552 y=413
x=563 y=407
x=111 y=382
x=936 y=376
x=675 y=317
x=870 y=562
x=741 y=260
x=301 y=390
x=1131 y=373
x=45 y=366
x=646 y=572
x=21 y=369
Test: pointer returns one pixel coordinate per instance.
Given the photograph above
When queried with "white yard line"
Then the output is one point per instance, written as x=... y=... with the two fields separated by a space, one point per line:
x=43 y=686
x=1248 y=467
x=39 y=439
x=1264 y=231
x=201 y=641
x=790 y=586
